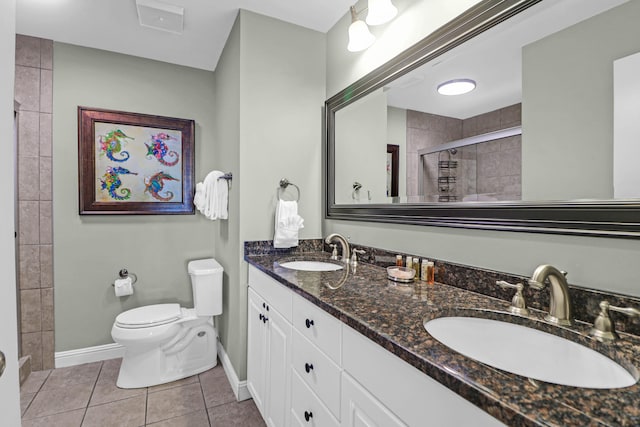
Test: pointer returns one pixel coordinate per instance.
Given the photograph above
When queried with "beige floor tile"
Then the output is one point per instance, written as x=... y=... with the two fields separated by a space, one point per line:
x=174 y=402
x=194 y=419
x=66 y=419
x=55 y=401
x=110 y=370
x=178 y=383
x=64 y=377
x=107 y=391
x=25 y=401
x=123 y=413
x=241 y=414
x=216 y=388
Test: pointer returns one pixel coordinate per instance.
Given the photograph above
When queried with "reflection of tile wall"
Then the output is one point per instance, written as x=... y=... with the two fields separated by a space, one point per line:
x=491 y=169
x=425 y=131
x=499 y=163
x=34 y=92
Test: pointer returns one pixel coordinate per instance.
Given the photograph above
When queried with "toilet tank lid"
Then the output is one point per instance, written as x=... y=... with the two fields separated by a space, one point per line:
x=204 y=266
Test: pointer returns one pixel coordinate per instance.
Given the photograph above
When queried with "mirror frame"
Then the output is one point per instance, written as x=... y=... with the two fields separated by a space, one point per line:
x=606 y=218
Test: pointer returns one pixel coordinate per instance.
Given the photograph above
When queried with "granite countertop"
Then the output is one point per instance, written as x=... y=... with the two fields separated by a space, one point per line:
x=392 y=315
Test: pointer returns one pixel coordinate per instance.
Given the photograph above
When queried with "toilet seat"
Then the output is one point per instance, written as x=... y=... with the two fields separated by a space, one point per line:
x=149 y=316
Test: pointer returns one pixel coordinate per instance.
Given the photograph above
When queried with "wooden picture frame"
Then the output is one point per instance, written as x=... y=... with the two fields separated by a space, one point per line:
x=134 y=164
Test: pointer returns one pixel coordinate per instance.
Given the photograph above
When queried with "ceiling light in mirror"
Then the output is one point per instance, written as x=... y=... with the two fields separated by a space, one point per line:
x=381 y=12
x=360 y=38
x=456 y=87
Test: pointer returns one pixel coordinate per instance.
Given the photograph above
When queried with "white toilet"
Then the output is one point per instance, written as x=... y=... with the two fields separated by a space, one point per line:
x=166 y=342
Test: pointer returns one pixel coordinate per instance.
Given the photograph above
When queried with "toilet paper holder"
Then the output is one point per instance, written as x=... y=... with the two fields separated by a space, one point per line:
x=124 y=273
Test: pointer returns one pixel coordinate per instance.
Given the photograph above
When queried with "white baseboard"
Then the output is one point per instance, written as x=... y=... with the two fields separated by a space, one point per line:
x=88 y=354
x=239 y=387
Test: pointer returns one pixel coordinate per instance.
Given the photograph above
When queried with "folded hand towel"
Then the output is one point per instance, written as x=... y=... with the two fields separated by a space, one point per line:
x=211 y=197
x=288 y=223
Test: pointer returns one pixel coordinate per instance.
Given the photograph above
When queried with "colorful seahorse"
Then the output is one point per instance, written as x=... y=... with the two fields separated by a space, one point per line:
x=111 y=144
x=155 y=183
x=111 y=182
x=159 y=149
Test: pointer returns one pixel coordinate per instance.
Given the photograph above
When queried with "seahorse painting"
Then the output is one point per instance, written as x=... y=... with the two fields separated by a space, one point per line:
x=160 y=150
x=111 y=144
x=111 y=182
x=155 y=183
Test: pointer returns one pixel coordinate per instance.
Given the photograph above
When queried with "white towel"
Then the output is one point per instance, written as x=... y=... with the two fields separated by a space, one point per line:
x=211 y=197
x=288 y=223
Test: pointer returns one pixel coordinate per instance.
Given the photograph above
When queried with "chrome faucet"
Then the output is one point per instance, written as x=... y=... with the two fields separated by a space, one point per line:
x=343 y=243
x=560 y=303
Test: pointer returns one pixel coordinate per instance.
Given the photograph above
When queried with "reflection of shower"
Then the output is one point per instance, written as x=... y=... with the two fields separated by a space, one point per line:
x=447 y=171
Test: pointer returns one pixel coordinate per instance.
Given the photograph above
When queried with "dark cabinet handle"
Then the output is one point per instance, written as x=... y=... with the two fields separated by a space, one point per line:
x=267 y=307
x=308 y=367
x=264 y=305
x=260 y=316
x=264 y=319
x=308 y=416
x=309 y=323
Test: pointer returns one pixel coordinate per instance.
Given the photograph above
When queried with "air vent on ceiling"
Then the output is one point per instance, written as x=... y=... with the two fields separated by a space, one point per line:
x=160 y=16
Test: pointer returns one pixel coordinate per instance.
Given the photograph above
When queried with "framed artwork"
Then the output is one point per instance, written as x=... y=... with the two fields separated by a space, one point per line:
x=132 y=164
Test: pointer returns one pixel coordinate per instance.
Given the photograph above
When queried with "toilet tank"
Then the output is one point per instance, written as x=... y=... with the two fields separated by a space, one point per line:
x=206 y=281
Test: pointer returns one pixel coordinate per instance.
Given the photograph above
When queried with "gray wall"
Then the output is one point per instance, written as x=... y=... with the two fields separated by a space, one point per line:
x=361 y=150
x=89 y=251
x=568 y=103
x=9 y=389
x=592 y=262
x=270 y=81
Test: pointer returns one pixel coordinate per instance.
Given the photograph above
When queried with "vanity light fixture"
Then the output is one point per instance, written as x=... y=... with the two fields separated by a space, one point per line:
x=456 y=87
x=360 y=37
x=379 y=12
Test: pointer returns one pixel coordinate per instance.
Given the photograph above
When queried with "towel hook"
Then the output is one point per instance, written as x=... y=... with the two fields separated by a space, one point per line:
x=284 y=183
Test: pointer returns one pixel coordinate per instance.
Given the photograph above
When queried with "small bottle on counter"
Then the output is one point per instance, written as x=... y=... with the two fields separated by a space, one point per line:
x=409 y=263
x=416 y=268
x=431 y=272
x=399 y=262
x=424 y=275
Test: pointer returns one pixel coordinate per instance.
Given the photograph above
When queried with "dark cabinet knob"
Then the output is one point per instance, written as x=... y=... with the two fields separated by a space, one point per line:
x=264 y=319
x=308 y=415
x=308 y=367
x=309 y=323
x=264 y=305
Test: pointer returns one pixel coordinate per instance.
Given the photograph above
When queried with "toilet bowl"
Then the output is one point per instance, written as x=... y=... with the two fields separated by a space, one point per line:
x=166 y=342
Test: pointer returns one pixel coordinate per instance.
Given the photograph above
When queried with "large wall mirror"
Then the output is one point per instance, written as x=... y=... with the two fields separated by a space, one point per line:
x=548 y=141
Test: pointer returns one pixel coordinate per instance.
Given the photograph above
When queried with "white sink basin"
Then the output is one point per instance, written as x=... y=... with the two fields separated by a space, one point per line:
x=311 y=266
x=529 y=352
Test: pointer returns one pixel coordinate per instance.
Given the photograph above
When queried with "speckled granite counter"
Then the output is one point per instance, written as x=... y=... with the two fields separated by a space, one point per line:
x=392 y=315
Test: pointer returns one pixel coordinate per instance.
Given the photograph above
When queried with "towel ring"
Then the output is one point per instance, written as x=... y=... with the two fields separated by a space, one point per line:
x=284 y=183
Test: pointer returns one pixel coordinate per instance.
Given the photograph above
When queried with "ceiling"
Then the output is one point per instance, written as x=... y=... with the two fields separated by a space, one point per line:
x=113 y=25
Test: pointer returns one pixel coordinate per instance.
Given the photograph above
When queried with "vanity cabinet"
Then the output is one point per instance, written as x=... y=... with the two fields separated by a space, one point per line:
x=269 y=349
x=306 y=368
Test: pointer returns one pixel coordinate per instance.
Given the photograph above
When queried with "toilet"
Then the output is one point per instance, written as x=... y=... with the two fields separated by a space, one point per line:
x=166 y=342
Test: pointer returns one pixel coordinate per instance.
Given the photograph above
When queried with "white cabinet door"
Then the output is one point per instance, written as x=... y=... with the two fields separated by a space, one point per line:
x=278 y=369
x=361 y=409
x=256 y=350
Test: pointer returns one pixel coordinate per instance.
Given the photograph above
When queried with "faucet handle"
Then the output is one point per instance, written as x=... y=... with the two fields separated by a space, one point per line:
x=603 y=327
x=334 y=252
x=518 y=303
x=354 y=255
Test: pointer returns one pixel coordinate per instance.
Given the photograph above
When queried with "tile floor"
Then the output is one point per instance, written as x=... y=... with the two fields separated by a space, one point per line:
x=86 y=395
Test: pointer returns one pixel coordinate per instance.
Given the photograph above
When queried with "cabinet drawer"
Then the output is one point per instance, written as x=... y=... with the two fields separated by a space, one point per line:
x=317 y=371
x=319 y=327
x=278 y=295
x=306 y=407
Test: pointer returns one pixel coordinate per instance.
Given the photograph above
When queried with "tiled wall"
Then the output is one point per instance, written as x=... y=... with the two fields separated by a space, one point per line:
x=34 y=92
x=491 y=169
